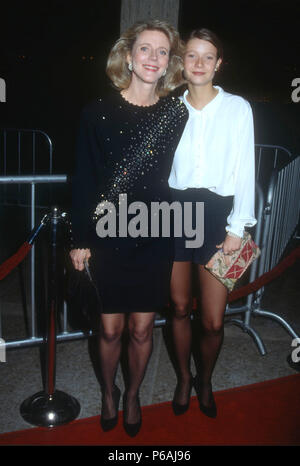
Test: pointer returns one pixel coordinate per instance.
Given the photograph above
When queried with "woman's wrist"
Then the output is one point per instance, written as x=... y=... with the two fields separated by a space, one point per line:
x=233 y=235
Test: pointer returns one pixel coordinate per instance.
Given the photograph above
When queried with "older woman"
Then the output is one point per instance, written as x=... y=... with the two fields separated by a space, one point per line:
x=125 y=148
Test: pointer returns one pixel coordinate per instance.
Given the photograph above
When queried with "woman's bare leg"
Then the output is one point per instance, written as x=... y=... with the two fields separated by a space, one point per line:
x=111 y=329
x=213 y=298
x=140 y=326
x=181 y=297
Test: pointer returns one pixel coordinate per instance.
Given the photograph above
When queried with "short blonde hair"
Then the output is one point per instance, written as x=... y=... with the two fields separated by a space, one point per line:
x=117 y=67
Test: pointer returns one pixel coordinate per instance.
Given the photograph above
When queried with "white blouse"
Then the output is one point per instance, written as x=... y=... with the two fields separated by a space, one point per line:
x=216 y=151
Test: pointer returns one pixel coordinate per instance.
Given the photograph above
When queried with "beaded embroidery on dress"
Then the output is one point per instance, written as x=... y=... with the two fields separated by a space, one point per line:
x=140 y=159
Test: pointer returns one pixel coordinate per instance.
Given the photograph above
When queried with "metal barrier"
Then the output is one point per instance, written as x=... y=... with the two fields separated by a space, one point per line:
x=268 y=157
x=246 y=309
x=15 y=157
x=277 y=223
x=277 y=156
x=32 y=181
x=282 y=211
x=26 y=159
x=23 y=152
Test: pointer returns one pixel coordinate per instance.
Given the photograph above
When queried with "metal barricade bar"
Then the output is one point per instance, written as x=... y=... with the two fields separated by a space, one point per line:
x=160 y=321
x=280 y=220
x=22 y=149
x=19 y=133
x=282 y=217
x=275 y=150
x=33 y=180
x=263 y=208
x=246 y=309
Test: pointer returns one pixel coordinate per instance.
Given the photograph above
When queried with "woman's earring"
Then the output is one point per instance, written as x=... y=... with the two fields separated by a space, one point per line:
x=130 y=66
x=165 y=72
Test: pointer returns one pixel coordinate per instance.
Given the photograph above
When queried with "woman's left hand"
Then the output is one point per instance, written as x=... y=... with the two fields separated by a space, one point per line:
x=229 y=246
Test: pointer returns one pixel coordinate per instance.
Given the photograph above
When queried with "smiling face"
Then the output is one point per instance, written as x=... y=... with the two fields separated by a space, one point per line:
x=200 y=62
x=149 y=56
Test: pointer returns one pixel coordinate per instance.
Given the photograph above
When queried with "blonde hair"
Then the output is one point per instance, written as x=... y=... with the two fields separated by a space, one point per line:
x=117 y=68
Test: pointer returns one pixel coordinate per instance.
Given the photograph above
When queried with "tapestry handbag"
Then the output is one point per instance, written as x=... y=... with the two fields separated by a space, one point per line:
x=239 y=262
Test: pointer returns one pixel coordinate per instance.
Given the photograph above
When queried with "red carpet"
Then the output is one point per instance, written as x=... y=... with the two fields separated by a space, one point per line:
x=266 y=413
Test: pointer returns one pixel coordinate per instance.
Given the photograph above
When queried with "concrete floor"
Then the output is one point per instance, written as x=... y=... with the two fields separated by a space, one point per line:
x=240 y=362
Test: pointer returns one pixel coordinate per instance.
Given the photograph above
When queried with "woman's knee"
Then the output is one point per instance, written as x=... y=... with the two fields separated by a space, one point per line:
x=213 y=327
x=110 y=333
x=111 y=327
x=141 y=334
x=181 y=308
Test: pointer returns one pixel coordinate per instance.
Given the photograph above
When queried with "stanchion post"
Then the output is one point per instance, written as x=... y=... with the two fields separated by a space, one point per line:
x=52 y=305
x=51 y=407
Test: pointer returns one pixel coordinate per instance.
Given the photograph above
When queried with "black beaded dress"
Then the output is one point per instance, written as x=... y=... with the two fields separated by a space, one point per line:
x=124 y=156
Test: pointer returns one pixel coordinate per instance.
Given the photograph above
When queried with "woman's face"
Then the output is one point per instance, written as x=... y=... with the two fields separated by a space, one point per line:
x=200 y=62
x=149 y=56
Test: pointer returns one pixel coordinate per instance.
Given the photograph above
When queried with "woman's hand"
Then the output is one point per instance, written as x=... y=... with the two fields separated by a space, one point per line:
x=229 y=246
x=78 y=256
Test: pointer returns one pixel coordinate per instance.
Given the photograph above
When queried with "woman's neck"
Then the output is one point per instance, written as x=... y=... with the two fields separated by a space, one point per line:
x=200 y=96
x=142 y=94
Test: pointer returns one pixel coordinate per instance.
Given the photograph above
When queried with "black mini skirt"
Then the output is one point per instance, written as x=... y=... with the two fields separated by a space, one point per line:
x=216 y=210
x=131 y=279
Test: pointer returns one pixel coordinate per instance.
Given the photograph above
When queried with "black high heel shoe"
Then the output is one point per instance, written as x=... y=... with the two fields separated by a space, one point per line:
x=179 y=409
x=211 y=410
x=131 y=429
x=109 y=424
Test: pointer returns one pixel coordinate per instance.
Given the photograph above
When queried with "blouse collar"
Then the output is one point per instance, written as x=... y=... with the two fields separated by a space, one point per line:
x=210 y=107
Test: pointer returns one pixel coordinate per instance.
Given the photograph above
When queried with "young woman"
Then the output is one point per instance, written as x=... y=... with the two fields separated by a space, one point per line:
x=213 y=164
x=125 y=148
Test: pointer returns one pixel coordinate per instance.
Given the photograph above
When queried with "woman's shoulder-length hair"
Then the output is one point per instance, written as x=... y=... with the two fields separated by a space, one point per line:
x=117 y=67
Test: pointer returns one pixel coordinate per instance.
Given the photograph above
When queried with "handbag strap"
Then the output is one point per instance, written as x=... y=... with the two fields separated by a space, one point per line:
x=88 y=272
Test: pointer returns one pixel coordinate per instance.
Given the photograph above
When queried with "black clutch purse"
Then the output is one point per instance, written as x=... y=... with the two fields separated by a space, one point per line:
x=83 y=300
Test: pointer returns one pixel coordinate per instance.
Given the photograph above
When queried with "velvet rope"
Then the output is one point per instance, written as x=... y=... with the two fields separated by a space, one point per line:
x=265 y=278
x=22 y=252
x=14 y=260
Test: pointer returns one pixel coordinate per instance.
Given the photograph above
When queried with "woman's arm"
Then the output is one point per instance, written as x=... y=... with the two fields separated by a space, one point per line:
x=242 y=213
x=84 y=187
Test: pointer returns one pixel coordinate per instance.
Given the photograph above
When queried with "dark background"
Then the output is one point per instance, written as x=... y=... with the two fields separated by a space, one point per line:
x=53 y=54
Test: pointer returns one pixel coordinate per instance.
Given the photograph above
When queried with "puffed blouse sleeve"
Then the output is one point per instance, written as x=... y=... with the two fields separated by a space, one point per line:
x=242 y=214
